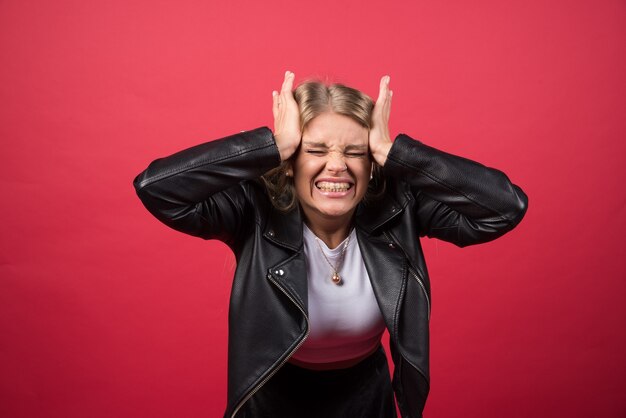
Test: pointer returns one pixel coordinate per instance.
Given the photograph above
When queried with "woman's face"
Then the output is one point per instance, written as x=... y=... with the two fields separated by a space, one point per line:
x=332 y=168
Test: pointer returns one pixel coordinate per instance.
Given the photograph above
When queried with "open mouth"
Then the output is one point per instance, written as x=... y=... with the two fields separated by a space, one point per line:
x=329 y=186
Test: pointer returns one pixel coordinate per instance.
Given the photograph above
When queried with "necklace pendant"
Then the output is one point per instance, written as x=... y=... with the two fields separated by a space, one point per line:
x=336 y=278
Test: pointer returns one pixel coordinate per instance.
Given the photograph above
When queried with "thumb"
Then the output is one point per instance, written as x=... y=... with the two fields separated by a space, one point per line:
x=275 y=99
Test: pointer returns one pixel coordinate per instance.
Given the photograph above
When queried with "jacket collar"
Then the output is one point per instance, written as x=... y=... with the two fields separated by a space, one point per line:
x=371 y=216
x=285 y=229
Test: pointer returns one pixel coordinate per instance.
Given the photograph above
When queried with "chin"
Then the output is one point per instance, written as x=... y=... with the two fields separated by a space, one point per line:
x=335 y=212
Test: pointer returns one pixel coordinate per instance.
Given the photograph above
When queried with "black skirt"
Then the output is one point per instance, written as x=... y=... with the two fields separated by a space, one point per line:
x=361 y=391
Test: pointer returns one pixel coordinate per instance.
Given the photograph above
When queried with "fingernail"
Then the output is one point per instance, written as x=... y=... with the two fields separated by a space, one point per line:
x=286 y=73
x=274 y=93
x=388 y=79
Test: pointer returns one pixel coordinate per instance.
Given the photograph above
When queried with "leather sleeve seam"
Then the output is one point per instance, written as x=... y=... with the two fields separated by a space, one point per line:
x=179 y=170
x=438 y=181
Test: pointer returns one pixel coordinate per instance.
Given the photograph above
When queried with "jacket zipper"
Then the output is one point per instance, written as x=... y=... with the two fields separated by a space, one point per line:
x=273 y=372
x=419 y=281
x=413 y=273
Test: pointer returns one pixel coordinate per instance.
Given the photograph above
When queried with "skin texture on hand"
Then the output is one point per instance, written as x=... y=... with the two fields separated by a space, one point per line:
x=287 y=130
x=379 y=139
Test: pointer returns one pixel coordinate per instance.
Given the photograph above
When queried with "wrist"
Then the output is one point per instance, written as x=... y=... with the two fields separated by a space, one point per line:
x=284 y=148
x=380 y=153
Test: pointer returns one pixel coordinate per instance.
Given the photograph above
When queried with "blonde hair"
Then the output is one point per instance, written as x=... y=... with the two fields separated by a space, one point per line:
x=314 y=98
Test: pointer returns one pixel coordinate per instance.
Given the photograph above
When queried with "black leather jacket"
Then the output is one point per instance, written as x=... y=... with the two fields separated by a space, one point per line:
x=213 y=191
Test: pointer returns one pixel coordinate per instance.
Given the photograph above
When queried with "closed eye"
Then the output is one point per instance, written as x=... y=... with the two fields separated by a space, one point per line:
x=315 y=151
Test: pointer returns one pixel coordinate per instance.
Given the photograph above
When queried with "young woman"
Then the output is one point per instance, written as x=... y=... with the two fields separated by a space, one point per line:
x=324 y=215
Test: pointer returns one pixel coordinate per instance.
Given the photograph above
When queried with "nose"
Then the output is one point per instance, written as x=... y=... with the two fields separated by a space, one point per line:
x=336 y=163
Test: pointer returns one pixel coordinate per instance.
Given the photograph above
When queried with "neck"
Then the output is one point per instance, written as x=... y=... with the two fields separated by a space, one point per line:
x=331 y=231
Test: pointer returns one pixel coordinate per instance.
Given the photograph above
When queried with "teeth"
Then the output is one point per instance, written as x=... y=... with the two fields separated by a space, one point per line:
x=328 y=186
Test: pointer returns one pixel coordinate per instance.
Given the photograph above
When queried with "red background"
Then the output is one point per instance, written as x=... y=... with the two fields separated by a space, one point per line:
x=104 y=312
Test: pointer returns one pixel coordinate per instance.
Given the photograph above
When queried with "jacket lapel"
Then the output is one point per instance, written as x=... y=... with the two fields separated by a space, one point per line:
x=285 y=230
x=384 y=261
x=386 y=267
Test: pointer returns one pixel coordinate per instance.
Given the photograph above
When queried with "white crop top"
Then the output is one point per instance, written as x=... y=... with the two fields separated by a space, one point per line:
x=345 y=320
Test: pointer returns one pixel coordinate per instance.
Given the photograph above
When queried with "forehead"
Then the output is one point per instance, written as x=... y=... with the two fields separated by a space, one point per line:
x=334 y=129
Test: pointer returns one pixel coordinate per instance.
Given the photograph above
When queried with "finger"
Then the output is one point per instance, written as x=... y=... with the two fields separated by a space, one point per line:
x=383 y=90
x=288 y=82
x=282 y=87
x=387 y=105
x=275 y=98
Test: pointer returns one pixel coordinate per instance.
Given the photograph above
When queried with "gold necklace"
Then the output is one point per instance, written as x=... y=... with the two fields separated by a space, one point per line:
x=336 y=278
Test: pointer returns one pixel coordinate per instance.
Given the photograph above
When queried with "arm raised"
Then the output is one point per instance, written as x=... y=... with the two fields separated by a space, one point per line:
x=199 y=190
x=458 y=200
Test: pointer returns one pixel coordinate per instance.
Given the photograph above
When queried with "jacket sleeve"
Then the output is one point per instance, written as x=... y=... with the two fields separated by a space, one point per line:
x=457 y=200
x=200 y=190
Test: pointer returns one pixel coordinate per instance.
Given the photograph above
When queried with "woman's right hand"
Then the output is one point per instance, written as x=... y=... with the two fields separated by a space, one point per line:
x=286 y=112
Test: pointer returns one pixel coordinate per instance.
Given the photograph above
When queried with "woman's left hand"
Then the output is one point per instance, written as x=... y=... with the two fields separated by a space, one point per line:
x=379 y=139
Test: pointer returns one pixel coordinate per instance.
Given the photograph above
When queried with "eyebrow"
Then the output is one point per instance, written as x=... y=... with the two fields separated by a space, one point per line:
x=356 y=147
x=315 y=144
